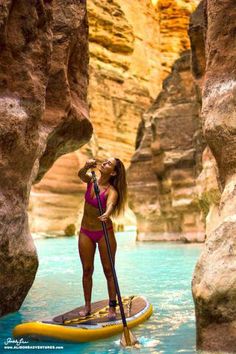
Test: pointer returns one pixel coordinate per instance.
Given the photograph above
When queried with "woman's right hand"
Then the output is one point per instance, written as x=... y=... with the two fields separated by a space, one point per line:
x=90 y=163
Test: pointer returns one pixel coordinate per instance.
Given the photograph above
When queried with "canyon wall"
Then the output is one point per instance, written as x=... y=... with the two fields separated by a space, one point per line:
x=44 y=114
x=130 y=56
x=163 y=171
x=212 y=33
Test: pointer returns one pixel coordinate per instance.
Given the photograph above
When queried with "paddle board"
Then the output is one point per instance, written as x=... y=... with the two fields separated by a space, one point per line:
x=71 y=327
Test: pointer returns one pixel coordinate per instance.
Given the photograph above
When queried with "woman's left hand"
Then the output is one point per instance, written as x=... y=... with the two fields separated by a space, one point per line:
x=104 y=217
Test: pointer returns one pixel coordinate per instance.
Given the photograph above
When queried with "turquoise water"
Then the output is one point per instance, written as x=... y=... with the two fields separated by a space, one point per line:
x=160 y=271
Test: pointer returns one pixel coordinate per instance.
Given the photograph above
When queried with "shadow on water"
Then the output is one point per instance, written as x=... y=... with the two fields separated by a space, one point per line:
x=160 y=271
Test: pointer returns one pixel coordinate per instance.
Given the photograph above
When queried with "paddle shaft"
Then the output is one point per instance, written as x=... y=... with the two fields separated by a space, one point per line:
x=122 y=312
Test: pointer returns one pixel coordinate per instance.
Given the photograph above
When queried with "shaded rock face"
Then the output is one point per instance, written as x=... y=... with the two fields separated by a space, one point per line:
x=208 y=190
x=43 y=114
x=214 y=281
x=130 y=56
x=162 y=175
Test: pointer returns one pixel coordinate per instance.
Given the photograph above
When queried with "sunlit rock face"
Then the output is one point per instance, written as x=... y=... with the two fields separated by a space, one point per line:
x=124 y=65
x=57 y=196
x=43 y=114
x=162 y=175
x=214 y=281
x=130 y=56
x=174 y=20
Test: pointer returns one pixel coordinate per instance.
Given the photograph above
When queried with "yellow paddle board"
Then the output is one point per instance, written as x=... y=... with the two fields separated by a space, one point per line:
x=74 y=328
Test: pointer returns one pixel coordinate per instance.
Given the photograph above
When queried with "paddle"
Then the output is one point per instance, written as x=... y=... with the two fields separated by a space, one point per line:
x=127 y=339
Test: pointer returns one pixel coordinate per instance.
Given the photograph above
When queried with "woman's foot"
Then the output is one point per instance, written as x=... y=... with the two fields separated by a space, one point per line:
x=112 y=313
x=86 y=312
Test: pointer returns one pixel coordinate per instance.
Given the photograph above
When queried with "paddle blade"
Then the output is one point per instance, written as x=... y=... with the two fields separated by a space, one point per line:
x=128 y=339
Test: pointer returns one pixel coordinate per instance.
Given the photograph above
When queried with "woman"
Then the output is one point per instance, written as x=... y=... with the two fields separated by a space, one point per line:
x=113 y=189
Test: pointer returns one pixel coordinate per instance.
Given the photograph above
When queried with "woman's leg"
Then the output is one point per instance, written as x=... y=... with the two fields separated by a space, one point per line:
x=107 y=268
x=86 y=251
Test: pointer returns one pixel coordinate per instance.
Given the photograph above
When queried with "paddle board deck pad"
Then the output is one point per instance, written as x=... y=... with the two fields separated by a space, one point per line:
x=71 y=327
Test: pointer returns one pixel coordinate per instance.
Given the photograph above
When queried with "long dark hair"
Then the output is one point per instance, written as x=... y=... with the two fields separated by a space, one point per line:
x=119 y=182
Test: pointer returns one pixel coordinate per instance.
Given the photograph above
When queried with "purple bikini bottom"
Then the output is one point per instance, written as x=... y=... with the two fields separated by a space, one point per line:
x=94 y=236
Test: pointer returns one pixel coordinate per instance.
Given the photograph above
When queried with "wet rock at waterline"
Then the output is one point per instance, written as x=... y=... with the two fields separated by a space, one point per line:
x=214 y=281
x=43 y=114
x=162 y=176
x=213 y=286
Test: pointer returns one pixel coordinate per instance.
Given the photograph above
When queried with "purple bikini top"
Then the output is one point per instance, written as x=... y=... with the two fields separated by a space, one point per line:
x=93 y=201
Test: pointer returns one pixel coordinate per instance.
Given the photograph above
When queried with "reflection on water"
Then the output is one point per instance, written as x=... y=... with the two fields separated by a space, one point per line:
x=162 y=272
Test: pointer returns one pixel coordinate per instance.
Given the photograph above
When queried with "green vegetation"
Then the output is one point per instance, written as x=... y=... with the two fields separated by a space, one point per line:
x=70 y=230
x=207 y=199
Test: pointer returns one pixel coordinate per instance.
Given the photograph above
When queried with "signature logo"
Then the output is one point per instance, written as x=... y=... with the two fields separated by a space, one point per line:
x=16 y=342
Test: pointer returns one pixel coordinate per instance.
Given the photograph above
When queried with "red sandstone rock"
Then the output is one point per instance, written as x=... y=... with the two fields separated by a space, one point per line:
x=43 y=114
x=214 y=281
